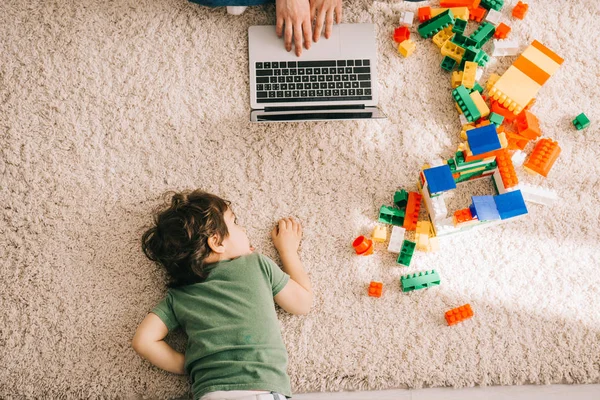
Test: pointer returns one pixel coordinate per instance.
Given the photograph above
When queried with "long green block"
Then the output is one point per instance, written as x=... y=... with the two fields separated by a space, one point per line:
x=462 y=40
x=401 y=199
x=495 y=4
x=466 y=104
x=420 y=280
x=391 y=215
x=432 y=26
x=483 y=34
x=406 y=252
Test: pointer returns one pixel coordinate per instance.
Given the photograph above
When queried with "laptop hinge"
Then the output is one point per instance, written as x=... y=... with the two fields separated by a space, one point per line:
x=314 y=108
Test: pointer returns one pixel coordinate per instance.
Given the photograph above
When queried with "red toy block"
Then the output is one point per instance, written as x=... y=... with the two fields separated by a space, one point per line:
x=502 y=31
x=412 y=211
x=528 y=125
x=520 y=10
x=463 y=215
x=375 y=289
x=477 y=14
x=424 y=14
x=458 y=314
x=506 y=168
x=497 y=108
x=363 y=246
x=459 y=3
x=401 y=34
x=543 y=156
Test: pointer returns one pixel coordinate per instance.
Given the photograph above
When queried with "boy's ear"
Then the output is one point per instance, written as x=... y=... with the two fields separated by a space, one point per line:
x=213 y=243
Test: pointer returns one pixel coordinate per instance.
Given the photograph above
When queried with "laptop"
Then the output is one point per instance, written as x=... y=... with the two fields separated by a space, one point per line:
x=335 y=80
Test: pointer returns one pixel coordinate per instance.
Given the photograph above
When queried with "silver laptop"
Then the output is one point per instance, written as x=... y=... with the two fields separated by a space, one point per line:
x=335 y=80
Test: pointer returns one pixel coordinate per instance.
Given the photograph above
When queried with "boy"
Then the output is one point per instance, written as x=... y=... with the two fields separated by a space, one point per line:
x=221 y=293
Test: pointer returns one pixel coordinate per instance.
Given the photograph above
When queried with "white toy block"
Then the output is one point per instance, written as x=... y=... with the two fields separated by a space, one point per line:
x=463 y=119
x=518 y=158
x=536 y=194
x=445 y=227
x=396 y=239
x=493 y=17
x=407 y=18
x=478 y=74
x=438 y=209
x=435 y=163
x=504 y=47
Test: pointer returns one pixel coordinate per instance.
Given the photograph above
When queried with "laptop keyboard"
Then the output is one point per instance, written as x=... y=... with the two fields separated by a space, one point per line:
x=303 y=81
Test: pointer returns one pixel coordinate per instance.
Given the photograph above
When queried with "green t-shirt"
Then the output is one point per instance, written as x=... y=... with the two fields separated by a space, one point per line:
x=234 y=337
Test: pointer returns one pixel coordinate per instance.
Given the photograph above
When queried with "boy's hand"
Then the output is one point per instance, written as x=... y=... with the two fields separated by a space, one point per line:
x=287 y=235
x=323 y=11
x=295 y=15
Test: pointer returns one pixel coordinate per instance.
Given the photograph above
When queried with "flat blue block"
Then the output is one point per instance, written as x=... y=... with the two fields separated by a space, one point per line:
x=510 y=204
x=485 y=207
x=484 y=139
x=439 y=179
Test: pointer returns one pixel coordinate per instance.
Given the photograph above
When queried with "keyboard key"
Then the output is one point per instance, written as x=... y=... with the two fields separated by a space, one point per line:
x=312 y=93
x=276 y=72
x=329 y=78
x=339 y=85
x=296 y=93
x=268 y=87
x=280 y=94
x=264 y=72
x=323 y=85
x=332 y=71
x=292 y=86
x=285 y=71
x=341 y=63
x=307 y=86
x=273 y=79
x=288 y=93
x=309 y=71
x=365 y=84
x=289 y=79
x=293 y=72
x=272 y=94
x=336 y=92
x=281 y=79
x=340 y=70
x=359 y=92
x=316 y=64
x=300 y=71
x=352 y=92
x=304 y=78
x=366 y=62
x=348 y=70
x=345 y=78
x=292 y=64
x=331 y=85
x=368 y=92
x=259 y=65
x=347 y=85
x=275 y=86
x=337 y=78
x=297 y=78
x=352 y=77
x=274 y=64
x=260 y=87
x=364 y=77
x=321 y=78
x=320 y=93
x=362 y=70
x=355 y=84
x=344 y=92
x=284 y=86
x=315 y=85
x=264 y=79
x=350 y=63
x=313 y=78
x=303 y=93
x=282 y=64
x=261 y=95
x=358 y=63
x=328 y=92
x=317 y=71
x=267 y=65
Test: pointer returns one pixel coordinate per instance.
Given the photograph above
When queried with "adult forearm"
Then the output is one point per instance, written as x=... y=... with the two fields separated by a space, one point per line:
x=293 y=267
x=163 y=356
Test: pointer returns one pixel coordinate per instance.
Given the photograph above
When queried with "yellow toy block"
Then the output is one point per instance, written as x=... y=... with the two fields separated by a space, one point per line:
x=468 y=78
x=453 y=51
x=407 y=47
x=465 y=128
x=458 y=12
x=434 y=244
x=480 y=103
x=491 y=81
x=379 y=233
x=442 y=36
x=541 y=60
x=514 y=90
x=503 y=140
x=423 y=227
x=422 y=241
x=457 y=77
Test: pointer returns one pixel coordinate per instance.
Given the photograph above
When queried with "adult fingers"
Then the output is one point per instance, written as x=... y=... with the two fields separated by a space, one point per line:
x=287 y=38
x=329 y=23
x=319 y=25
x=307 y=31
x=298 y=38
x=279 y=26
x=338 y=12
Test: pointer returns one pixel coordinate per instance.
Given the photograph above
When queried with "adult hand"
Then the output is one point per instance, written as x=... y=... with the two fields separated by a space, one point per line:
x=295 y=16
x=323 y=10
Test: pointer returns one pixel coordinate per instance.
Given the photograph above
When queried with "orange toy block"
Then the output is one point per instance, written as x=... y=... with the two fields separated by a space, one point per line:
x=363 y=246
x=424 y=14
x=520 y=10
x=401 y=34
x=477 y=13
x=497 y=108
x=459 y=3
x=506 y=168
x=542 y=157
x=458 y=314
x=462 y=216
x=516 y=141
x=502 y=31
x=375 y=289
x=412 y=211
x=528 y=126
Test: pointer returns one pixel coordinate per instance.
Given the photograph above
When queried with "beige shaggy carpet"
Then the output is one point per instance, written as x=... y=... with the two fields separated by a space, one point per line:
x=104 y=105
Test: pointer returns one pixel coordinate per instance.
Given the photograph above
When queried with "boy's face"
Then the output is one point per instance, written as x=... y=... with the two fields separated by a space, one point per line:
x=237 y=243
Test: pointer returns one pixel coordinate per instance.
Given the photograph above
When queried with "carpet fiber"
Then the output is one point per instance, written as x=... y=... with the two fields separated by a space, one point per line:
x=104 y=105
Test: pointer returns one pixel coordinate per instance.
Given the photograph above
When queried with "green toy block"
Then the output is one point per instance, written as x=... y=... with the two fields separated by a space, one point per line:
x=391 y=215
x=581 y=121
x=495 y=4
x=466 y=104
x=452 y=164
x=477 y=87
x=496 y=119
x=401 y=199
x=432 y=26
x=419 y=280
x=448 y=64
x=459 y=25
x=462 y=40
x=406 y=253
x=475 y=55
x=484 y=33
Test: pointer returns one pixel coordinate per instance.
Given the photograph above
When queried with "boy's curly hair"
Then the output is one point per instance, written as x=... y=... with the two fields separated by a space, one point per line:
x=179 y=238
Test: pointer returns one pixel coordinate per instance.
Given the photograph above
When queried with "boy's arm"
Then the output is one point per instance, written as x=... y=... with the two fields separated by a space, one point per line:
x=296 y=297
x=148 y=342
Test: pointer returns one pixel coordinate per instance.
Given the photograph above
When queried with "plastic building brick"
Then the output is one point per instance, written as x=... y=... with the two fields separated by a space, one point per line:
x=401 y=34
x=363 y=246
x=492 y=4
x=419 y=280
x=463 y=41
x=406 y=253
x=400 y=199
x=506 y=169
x=504 y=47
x=539 y=195
x=424 y=227
x=466 y=104
x=457 y=12
x=496 y=119
x=463 y=216
x=581 y=121
x=407 y=18
x=528 y=125
x=448 y=64
x=492 y=79
x=468 y=79
x=438 y=208
x=424 y=14
x=477 y=14
x=379 y=233
x=391 y=215
x=407 y=47
x=518 y=158
x=456 y=82
x=396 y=239
x=452 y=50
x=485 y=208
x=375 y=289
x=483 y=140
x=479 y=102
x=520 y=10
x=457 y=3
x=422 y=241
x=484 y=33
x=516 y=141
x=502 y=31
x=458 y=314
x=542 y=157
x=412 y=211
x=440 y=38
x=439 y=179
x=493 y=17
x=499 y=109
x=436 y=24
x=459 y=25
x=510 y=205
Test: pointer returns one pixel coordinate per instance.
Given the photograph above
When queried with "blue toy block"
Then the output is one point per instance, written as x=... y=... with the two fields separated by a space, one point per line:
x=510 y=204
x=484 y=139
x=439 y=179
x=485 y=207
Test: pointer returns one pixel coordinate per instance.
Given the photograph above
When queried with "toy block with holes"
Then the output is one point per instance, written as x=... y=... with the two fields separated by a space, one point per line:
x=463 y=216
x=458 y=314
x=458 y=12
x=412 y=211
x=477 y=13
x=391 y=215
x=424 y=14
x=459 y=26
x=504 y=47
x=520 y=10
x=492 y=4
x=396 y=239
x=442 y=36
x=465 y=103
x=379 y=233
x=401 y=199
x=502 y=31
x=469 y=73
x=432 y=26
x=406 y=253
x=543 y=156
x=528 y=125
x=363 y=246
x=420 y=280
x=452 y=50
x=401 y=34
x=407 y=18
x=493 y=17
x=506 y=177
x=375 y=289
x=581 y=121
x=484 y=33
x=456 y=82
x=407 y=47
